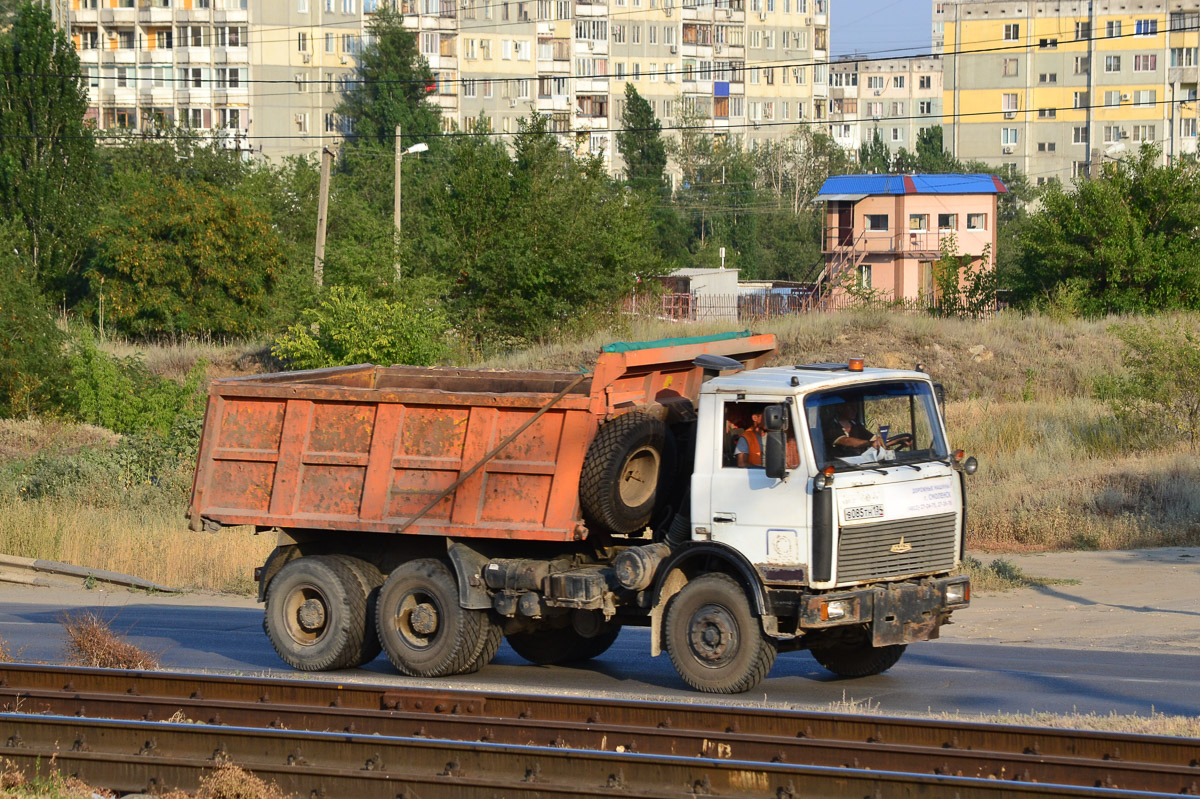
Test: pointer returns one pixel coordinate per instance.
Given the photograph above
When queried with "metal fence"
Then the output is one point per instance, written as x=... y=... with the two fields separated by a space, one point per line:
x=761 y=305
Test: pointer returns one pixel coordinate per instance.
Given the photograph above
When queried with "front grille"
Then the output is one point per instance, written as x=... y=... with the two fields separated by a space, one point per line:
x=865 y=550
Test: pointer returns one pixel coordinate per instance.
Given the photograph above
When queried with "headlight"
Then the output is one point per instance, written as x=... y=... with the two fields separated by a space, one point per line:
x=958 y=593
x=832 y=611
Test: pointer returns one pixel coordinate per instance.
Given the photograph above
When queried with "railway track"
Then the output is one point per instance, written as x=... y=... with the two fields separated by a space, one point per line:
x=137 y=731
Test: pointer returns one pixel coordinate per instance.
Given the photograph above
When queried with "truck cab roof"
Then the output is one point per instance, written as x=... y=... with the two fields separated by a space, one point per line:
x=802 y=378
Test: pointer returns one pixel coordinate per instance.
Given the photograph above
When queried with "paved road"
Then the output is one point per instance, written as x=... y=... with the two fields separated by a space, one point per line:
x=1089 y=647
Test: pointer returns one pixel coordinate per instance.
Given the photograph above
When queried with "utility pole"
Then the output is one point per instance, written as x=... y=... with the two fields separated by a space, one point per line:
x=396 y=205
x=322 y=217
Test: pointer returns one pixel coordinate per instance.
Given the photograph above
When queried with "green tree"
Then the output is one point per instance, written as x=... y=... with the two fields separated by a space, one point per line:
x=1124 y=242
x=182 y=258
x=1159 y=392
x=46 y=150
x=874 y=156
x=31 y=362
x=641 y=144
x=391 y=81
x=932 y=157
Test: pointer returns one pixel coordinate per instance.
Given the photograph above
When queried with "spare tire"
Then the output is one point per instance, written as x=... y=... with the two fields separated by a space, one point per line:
x=626 y=463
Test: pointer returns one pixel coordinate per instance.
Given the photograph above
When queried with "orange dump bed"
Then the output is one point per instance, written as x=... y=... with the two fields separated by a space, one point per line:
x=434 y=451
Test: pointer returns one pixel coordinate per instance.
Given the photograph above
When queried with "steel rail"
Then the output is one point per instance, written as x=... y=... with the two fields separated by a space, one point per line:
x=149 y=756
x=1146 y=763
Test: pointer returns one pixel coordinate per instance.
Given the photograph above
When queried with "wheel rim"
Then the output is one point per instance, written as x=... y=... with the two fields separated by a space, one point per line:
x=639 y=477
x=418 y=619
x=713 y=636
x=306 y=615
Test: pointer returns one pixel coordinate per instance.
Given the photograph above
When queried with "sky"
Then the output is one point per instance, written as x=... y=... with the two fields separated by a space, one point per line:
x=880 y=27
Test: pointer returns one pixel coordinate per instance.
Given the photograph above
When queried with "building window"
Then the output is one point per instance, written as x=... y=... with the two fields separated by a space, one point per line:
x=874 y=81
x=925 y=107
x=1185 y=20
x=1146 y=27
x=1112 y=134
x=1048 y=44
x=976 y=221
x=1184 y=57
x=1008 y=136
x=1008 y=101
x=1083 y=30
x=1145 y=97
x=1046 y=147
x=1143 y=133
x=898 y=81
x=1047 y=113
x=1079 y=134
x=947 y=221
x=897 y=134
x=1112 y=29
x=1048 y=77
x=1009 y=67
x=918 y=222
x=1145 y=63
x=1187 y=127
x=1112 y=99
x=877 y=221
x=1012 y=32
x=925 y=82
x=302 y=42
x=864 y=276
x=1080 y=99
x=1082 y=63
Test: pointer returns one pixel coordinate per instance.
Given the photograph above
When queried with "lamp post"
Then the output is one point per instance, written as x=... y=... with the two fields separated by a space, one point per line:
x=419 y=147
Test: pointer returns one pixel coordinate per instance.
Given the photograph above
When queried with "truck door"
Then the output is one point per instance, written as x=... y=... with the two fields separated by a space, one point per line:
x=765 y=519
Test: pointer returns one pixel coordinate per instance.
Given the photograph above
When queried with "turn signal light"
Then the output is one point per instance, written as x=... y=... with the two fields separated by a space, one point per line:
x=832 y=611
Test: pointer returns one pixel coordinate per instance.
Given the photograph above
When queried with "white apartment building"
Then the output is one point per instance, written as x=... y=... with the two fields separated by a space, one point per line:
x=899 y=97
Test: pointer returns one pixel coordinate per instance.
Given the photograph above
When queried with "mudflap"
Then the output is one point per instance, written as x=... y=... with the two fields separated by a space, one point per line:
x=904 y=613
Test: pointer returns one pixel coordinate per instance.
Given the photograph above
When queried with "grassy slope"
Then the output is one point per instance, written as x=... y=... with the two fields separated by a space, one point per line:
x=1054 y=472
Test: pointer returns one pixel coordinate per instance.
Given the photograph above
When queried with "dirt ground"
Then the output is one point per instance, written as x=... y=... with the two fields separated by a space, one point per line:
x=1140 y=600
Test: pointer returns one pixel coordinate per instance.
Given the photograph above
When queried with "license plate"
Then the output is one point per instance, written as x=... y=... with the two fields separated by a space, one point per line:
x=863 y=512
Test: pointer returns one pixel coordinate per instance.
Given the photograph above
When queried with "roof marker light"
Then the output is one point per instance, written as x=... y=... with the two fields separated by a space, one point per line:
x=855 y=365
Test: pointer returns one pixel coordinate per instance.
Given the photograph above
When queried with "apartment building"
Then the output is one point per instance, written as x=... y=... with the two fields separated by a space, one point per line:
x=899 y=97
x=269 y=73
x=1056 y=89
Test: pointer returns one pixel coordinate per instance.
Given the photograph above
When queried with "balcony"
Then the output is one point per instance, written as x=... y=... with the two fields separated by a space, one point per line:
x=234 y=55
x=118 y=16
x=85 y=16
x=155 y=15
x=911 y=242
x=124 y=56
x=235 y=15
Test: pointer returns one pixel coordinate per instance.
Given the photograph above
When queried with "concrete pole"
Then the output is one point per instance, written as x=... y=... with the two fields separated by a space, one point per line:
x=322 y=217
x=396 y=203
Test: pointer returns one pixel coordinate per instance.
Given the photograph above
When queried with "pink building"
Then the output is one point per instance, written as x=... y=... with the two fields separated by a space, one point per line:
x=884 y=232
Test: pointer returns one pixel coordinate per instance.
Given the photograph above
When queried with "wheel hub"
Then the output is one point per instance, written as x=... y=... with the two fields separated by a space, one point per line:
x=311 y=615
x=713 y=635
x=424 y=619
x=639 y=478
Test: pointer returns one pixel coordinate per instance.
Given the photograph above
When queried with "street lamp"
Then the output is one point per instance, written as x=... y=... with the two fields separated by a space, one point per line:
x=419 y=147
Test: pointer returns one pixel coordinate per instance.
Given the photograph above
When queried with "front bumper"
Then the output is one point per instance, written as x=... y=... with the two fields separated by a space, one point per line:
x=898 y=613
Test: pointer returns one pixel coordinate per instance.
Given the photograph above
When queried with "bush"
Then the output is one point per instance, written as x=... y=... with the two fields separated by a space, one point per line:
x=1159 y=393
x=122 y=395
x=348 y=327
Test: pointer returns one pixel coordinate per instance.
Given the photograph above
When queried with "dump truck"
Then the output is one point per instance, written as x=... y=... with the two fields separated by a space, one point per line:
x=734 y=509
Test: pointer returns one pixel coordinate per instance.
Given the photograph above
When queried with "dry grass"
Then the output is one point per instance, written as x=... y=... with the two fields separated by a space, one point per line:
x=92 y=643
x=26 y=438
x=150 y=542
x=176 y=359
x=225 y=781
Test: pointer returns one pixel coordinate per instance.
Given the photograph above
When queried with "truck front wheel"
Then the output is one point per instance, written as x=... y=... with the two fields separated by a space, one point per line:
x=423 y=629
x=713 y=638
x=856 y=657
x=316 y=614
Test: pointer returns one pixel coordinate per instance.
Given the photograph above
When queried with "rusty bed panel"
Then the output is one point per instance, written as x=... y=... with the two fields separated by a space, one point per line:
x=364 y=448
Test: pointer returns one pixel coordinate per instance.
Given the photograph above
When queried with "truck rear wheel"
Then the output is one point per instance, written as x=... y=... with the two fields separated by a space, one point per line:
x=625 y=464
x=857 y=658
x=316 y=615
x=369 y=578
x=423 y=629
x=713 y=638
x=489 y=644
x=554 y=647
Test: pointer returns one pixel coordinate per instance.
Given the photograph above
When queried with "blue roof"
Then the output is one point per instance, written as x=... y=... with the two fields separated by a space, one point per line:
x=912 y=184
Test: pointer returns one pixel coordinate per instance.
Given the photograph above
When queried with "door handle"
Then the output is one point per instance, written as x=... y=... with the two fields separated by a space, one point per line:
x=726 y=518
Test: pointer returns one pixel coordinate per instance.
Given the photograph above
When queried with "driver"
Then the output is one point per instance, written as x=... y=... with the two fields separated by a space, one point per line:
x=848 y=437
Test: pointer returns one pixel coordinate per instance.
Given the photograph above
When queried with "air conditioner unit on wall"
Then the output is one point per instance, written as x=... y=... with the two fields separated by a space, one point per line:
x=1010 y=114
x=674 y=49
x=1124 y=97
x=762 y=16
x=306 y=57
x=1007 y=150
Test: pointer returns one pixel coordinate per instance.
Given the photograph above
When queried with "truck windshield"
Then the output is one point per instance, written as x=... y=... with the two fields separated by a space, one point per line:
x=864 y=426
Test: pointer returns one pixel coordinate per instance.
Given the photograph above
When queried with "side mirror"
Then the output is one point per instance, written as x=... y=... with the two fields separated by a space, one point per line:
x=775 y=456
x=775 y=418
